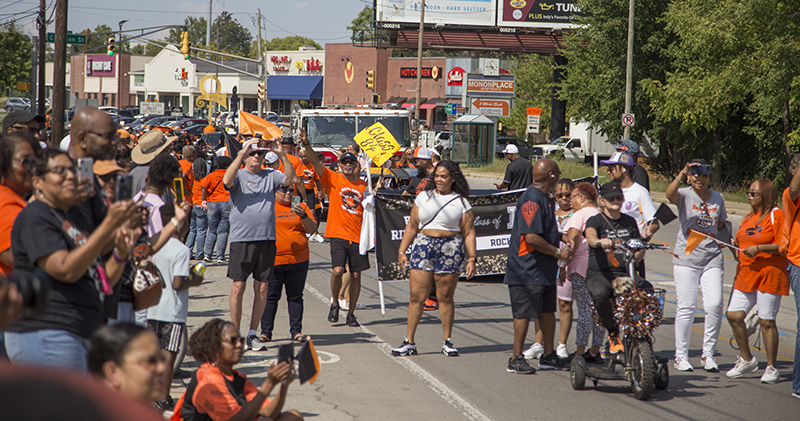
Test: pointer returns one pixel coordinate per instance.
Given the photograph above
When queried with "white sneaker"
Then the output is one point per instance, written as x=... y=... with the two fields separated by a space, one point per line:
x=318 y=238
x=360 y=306
x=534 y=352
x=683 y=364
x=710 y=364
x=343 y=305
x=561 y=351
x=742 y=367
x=771 y=375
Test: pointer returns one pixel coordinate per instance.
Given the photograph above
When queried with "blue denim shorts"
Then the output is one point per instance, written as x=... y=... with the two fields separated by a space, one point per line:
x=438 y=254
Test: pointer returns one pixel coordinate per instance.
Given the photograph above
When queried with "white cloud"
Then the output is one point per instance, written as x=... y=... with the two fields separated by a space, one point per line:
x=300 y=5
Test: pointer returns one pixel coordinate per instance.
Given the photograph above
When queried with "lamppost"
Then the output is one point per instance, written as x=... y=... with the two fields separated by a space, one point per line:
x=119 y=69
x=222 y=16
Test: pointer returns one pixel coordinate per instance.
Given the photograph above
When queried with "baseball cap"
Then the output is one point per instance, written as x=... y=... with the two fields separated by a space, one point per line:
x=423 y=153
x=511 y=148
x=610 y=190
x=271 y=157
x=20 y=117
x=287 y=141
x=103 y=167
x=628 y=146
x=618 y=158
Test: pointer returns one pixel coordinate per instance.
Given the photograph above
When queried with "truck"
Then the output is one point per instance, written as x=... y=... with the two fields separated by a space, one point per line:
x=329 y=130
x=583 y=141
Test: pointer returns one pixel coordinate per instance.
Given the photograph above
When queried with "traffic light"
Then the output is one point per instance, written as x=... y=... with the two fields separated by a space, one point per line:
x=111 y=46
x=262 y=91
x=186 y=46
x=371 y=80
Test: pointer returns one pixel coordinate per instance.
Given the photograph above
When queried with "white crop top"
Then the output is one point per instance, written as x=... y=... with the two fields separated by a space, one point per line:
x=449 y=218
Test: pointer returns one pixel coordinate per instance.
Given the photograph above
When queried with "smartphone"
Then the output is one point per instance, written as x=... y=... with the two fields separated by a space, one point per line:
x=85 y=171
x=702 y=169
x=295 y=200
x=124 y=187
x=285 y=353
x=177 y=183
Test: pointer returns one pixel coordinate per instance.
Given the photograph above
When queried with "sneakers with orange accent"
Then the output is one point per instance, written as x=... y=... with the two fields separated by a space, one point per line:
x=430 y=305
x=614 y=344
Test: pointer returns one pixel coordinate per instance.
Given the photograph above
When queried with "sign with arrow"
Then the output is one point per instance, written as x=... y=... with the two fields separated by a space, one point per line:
x=490 y=107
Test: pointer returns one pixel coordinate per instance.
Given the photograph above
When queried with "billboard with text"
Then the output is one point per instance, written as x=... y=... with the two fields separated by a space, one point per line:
x=558 y=14
x=446 y=12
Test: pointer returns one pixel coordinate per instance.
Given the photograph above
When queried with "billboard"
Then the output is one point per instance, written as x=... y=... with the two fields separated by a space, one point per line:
x=101 y=65
x=558 y=14
x=446 y=12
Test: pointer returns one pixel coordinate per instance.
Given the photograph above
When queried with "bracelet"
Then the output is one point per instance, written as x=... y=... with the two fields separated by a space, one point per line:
x=117 y=257
x=175 y=222
x=758 y=248
x=470 y=259
x=401 y=252
x=557 y=254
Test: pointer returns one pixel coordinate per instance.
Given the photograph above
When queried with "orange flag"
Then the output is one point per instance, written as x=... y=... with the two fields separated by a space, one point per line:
x=694 y=240
x=250 y=124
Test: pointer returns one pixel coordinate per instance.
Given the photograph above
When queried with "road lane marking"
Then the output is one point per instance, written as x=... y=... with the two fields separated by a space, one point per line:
x=446 y=393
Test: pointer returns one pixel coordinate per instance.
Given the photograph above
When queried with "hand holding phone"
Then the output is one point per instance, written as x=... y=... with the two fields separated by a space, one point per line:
x=178 y=186
x=295 y=200
x=286 y=353
x=86 y=173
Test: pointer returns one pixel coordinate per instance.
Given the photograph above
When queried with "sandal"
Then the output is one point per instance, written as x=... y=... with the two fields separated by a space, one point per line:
x=298 y=338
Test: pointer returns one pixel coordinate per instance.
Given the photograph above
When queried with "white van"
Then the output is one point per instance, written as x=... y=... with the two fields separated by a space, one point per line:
x=584 y=140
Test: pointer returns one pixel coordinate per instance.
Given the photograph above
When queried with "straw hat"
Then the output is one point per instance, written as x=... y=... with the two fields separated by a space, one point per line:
x=150 y=145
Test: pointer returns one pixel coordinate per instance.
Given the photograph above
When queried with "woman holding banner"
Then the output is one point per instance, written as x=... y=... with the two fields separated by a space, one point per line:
x=441 y=228
x=697 y=261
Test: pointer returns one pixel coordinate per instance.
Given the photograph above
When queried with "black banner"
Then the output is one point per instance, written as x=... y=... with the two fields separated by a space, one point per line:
x=494 y=216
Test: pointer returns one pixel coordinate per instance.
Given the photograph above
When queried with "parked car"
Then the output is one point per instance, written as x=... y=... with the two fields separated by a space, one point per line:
x=17 y=104
x=196 y=130
x=189 y=122
x=502 y=141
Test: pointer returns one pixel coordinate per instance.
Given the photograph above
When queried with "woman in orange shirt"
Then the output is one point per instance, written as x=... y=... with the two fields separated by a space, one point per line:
x=292 y=223
x=16 y=151
x=217 y=201
x=760 y=279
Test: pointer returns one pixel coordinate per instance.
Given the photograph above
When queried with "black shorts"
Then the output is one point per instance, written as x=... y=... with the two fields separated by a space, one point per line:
x=311 y=199
x=251 y=257
x=530 y=301
x=169 y=334
x=343 y=251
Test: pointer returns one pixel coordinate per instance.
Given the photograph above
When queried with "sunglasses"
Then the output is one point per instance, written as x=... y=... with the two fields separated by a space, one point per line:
x=348 y=162
x=563 y=195
x=32 y=130
x=616 y=199
x=108 y=177
x=61 y=170
x=254 y=153
x=286 y=189
x=753 y=193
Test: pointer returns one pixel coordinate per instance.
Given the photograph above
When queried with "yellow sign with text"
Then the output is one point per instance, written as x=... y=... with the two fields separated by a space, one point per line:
x=378 y=143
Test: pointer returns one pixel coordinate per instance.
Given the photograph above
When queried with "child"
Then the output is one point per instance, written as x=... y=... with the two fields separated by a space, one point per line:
x=168 y=318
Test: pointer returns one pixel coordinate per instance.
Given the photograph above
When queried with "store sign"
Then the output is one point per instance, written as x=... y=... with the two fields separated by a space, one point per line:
x=100 y=66
x=427 y=72
x=310 y=65
x=445 y=12
x=494 y=86
x=182 y=76
x=280 y=63
x=455 y=77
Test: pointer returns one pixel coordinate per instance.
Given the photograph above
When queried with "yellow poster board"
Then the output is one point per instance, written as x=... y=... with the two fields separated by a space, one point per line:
x=378 y=143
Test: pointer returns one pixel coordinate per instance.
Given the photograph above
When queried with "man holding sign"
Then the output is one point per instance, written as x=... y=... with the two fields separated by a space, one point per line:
x=345 y=192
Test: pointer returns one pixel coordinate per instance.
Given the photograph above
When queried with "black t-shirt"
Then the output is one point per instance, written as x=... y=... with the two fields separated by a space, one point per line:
x=89 y=214
x=621 y=229
x=518 y=174
x=641 y=176
x=418 y=183
x=535 y=214
x=75 y=307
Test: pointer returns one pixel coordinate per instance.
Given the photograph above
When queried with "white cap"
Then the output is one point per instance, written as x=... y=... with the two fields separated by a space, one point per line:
x=271 y=157
x=511 y=148
x=435 y=152
x=423 y=153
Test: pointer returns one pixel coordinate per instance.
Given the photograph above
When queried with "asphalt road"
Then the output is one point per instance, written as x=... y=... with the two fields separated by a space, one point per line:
x=360 y=379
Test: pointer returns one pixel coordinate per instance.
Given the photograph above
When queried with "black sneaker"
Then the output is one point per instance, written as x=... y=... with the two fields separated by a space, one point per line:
x=519 y=365
x=254 y=343
x=351 y=320
x=333 y=315
x=448 y=348
x=592 y=359
x=552 y=362
x=406 y=348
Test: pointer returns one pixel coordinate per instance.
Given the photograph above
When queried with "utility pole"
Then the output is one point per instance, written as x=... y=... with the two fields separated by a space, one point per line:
x=34 y=78
x=40 y=110
x=119 y=67
x=208 y=28
x=629 y=69
x=59 y=72
x=419 y=66
x=261 y=66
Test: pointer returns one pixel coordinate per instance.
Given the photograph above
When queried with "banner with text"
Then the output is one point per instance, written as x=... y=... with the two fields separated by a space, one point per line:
x=494 y=218
x=378 y=143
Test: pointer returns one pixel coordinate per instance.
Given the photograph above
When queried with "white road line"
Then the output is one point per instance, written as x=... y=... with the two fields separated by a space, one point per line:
x=446 y=393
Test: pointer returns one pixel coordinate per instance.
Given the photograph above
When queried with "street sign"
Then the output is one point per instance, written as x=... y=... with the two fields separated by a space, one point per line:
x=452 y=108
x=628 y=120
x=533 y=122
x=533 y=111
x=151 y=108
x=490 y=107
x=176 y=111
x=71 y=38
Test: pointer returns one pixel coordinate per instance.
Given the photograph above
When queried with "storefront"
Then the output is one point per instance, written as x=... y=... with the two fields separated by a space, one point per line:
x=294 y=77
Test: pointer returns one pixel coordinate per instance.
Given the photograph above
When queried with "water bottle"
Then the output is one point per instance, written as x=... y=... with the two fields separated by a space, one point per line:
x=198 y=269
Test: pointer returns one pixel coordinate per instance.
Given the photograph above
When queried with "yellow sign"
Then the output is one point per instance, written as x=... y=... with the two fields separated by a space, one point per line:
x=378 y=143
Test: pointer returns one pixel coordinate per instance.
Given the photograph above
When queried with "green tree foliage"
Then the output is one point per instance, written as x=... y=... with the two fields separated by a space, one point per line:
x=233 y=37
x=15 y=56
x=290 y=43
x=146 y=49
x=533 y=82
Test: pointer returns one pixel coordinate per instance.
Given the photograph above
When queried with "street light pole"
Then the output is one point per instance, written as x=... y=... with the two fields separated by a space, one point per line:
x=419 y=67
x=629 y=69
x=119 y=68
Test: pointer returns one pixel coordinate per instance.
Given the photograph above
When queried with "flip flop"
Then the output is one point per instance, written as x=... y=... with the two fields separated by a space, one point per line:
x=298 y=337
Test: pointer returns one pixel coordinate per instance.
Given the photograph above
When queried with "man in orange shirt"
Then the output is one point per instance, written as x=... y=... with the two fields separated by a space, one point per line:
x=345 y=193
x=288 y=148
x=791 y=206
x=189 y=155
x=311 y=180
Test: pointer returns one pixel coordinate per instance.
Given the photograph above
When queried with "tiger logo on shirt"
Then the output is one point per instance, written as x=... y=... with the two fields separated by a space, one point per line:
x=351 y=200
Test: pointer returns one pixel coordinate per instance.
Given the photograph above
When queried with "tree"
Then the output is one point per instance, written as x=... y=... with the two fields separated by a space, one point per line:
x=15 y=54
x=290 y=43
x=146 y=49
x=233 y=37
x=533 y=81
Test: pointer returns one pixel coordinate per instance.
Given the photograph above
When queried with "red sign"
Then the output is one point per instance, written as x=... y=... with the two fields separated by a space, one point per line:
x=428 y=72
x=280 y=59
x=313 y=65
x=455 y=77
x=533 y=111
x=101 y=65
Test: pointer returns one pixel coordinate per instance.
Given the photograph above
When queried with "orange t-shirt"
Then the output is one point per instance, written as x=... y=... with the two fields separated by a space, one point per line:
x=344 y=210
x=791 y=227
x=308 y=174
x=216 y=190
x=765 y=272
x=11 y=204
x=212 y=396
x=197 y=196
x=188 y=185
x=292 y=244
x=297 y=163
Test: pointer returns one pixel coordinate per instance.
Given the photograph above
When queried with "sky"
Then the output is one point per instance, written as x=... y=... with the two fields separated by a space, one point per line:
x=324 y=21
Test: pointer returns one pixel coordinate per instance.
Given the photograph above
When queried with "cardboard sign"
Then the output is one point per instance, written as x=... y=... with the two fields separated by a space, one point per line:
x=378 y=143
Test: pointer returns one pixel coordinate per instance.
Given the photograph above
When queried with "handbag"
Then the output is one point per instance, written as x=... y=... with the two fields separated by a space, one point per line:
x=147 y=280
x=410 y=249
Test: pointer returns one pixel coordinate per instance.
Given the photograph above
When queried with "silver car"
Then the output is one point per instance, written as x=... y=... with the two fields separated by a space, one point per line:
x=17 y=104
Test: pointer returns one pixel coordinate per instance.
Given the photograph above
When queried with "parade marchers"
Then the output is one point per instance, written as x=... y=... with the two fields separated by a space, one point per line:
x=102 y=242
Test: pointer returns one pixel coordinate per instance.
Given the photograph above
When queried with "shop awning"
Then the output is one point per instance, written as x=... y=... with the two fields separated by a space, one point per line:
x=294 y=87
x=440 y=102
x=421 y=101
x=395 y=100
x=427 y=106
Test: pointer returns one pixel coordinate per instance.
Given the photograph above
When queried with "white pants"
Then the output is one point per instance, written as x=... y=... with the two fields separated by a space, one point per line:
x=687 y=280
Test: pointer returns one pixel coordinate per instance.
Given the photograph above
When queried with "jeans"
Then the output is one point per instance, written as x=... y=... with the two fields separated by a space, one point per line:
x=218 y=226
x=292 y=277
x=794 y=280
x=198 y=225
x=49 y=348
x=687 y=279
